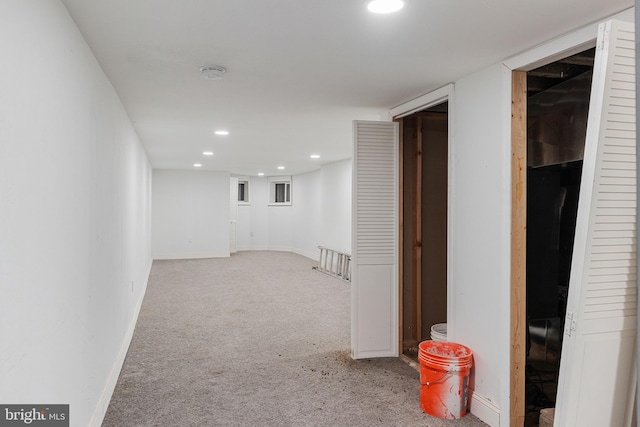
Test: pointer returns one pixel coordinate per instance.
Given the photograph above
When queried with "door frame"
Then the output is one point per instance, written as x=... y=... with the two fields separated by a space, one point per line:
x=518 y=294
x=554 y=50
x=431 y=99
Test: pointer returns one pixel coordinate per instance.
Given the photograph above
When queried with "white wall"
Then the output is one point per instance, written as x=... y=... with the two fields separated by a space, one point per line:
x=190 y=214
x=280 y=225
x=480 y=229
x=243 y=229
x=253 y=221
x=335 y=200
x=319 y=215
x=75 y=189
x=307 y=211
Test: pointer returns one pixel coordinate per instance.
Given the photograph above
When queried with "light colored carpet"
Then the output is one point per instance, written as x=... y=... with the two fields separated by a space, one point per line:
x=258 y=339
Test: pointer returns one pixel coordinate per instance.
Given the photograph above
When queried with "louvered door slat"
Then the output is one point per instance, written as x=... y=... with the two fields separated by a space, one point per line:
x=595 y=382
x=374 y=323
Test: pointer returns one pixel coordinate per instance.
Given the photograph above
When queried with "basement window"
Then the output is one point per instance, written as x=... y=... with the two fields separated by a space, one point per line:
x=280 y=191
x=243 y=192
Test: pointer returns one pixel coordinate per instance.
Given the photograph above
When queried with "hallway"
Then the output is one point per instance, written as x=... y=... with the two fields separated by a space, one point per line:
x=256 y=339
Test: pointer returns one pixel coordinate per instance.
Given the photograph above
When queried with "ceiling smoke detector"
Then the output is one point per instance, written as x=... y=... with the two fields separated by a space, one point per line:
x=213 y=72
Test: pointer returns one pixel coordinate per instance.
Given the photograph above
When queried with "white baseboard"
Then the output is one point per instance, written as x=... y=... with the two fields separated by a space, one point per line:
x=311 y=256
x=355 y=355
x=484 y=409
x=105 y=398
x=280 y=248
x=292 y=250
x=192 y=255
x=253 y=248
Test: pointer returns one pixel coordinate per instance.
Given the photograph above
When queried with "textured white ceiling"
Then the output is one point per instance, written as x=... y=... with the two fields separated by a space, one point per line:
x=299 y=71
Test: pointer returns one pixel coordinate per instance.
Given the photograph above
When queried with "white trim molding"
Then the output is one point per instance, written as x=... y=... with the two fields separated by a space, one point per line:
x=430 y=99
x=563 y=46
x=484 y=409
x=107 y=392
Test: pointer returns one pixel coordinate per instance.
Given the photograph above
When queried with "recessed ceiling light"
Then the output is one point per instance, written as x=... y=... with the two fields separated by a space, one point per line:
x=213 y=72
x=280 y=167
x=208 y=153
x=315 y=156
x=222 y=132
x=197 y=165
x=385 y=6
x=260 y=173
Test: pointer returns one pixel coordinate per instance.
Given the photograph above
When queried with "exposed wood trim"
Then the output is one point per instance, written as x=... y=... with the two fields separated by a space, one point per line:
x=410 y=343
x=518 y=245
x=409 y=361
x=418 y=242
x=432 y=115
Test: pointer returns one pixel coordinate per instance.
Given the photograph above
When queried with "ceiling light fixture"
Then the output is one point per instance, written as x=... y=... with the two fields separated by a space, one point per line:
x=213 y=72
x=208 y=153
x=260 y=173
x=385 y=6
x=197 y=165
x=315 y=156
x=280 y=167
x=222 y=132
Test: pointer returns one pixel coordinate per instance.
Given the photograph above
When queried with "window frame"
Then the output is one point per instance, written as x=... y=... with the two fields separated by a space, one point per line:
x=274 y=181
x=244 y=181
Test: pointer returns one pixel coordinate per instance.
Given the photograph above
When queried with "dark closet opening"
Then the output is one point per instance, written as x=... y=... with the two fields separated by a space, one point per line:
x=424 y=200
x=557 y=109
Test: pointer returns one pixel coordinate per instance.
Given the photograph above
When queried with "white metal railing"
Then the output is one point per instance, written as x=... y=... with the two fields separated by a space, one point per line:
x=334 y=263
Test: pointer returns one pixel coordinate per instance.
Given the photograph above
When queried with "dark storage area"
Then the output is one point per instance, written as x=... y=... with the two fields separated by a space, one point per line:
x=557 y=110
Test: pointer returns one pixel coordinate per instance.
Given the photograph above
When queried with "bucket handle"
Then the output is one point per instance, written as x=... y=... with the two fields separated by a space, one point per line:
x=439 y=380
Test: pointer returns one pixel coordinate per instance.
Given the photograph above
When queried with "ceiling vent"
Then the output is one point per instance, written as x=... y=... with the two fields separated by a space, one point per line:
x=214 y=72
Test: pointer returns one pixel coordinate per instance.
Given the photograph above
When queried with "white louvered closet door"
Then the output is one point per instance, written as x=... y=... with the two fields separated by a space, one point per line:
x=374 y=280
x=597 y=372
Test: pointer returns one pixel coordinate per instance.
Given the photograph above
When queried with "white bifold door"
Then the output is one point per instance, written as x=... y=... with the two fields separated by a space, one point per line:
x=597 y=380
x=374 y=268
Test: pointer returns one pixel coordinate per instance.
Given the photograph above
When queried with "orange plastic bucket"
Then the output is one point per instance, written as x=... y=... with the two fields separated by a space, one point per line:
x=444 y=378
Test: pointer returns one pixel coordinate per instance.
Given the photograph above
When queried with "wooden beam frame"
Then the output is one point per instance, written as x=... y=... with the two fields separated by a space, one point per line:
x=418 y=243
x=518 y=246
